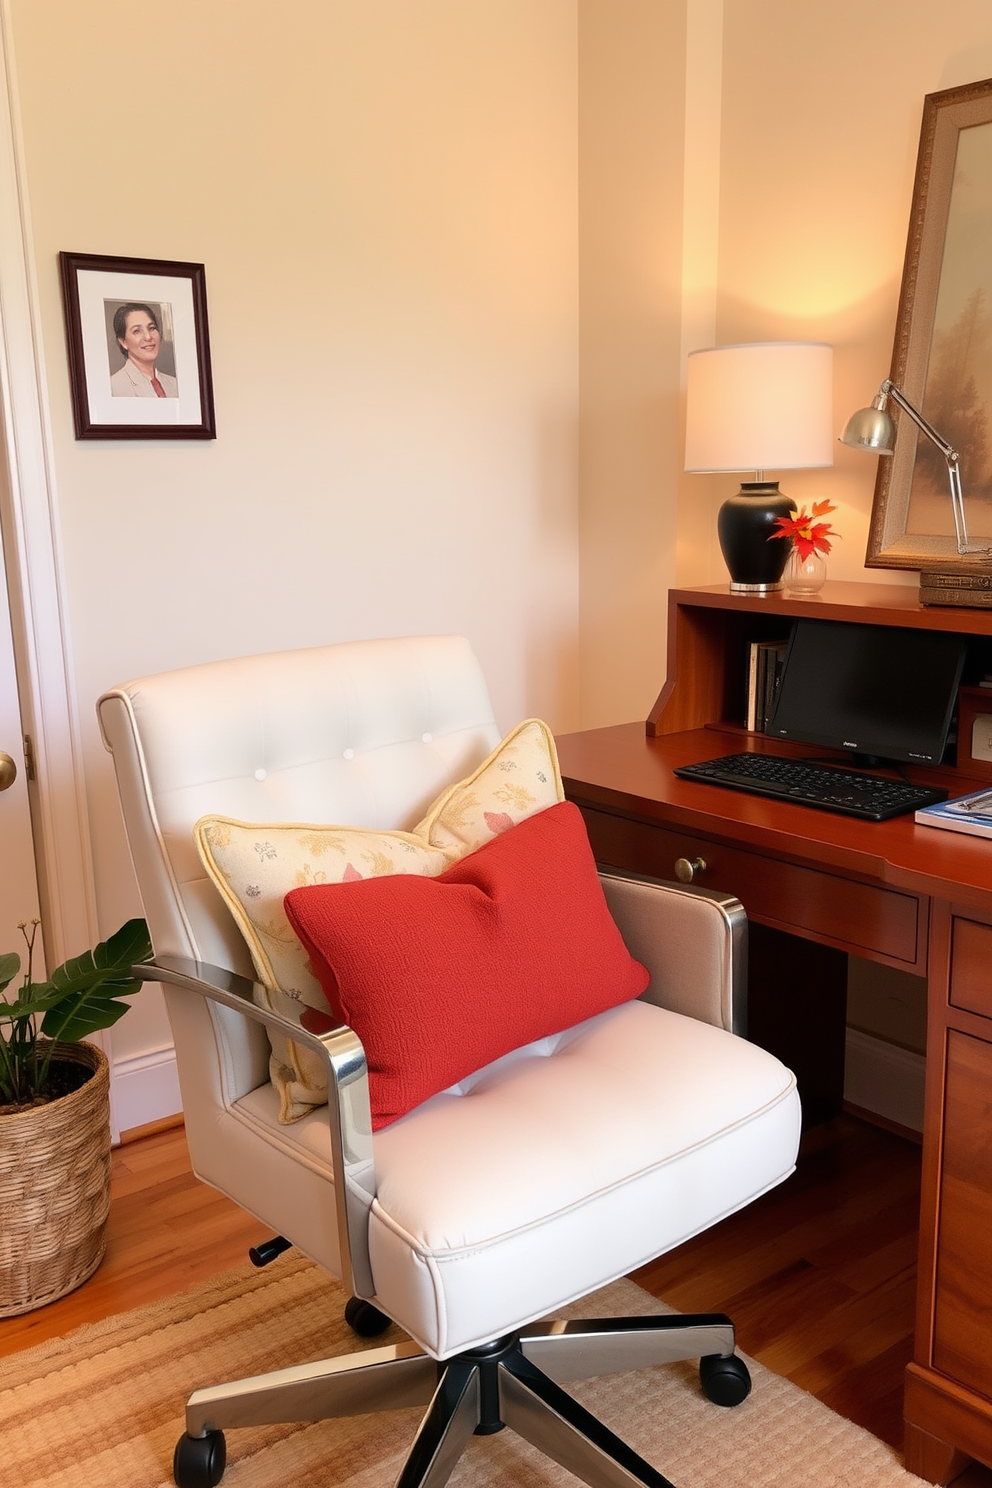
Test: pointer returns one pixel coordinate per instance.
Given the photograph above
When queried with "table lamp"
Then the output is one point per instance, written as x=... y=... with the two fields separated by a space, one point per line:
x=873 y=429
x=762 y=406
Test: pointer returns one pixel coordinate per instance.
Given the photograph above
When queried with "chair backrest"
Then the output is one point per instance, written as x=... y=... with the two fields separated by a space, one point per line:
x=362 y=733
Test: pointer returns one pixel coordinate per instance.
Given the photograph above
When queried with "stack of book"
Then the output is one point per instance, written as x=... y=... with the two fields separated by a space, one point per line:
x=764 y=668
x=971 y=813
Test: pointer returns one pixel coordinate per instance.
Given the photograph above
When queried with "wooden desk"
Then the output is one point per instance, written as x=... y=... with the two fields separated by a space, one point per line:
x=815 y=887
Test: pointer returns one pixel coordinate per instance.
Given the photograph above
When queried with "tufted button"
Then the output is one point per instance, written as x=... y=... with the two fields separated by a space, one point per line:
x=261 y=774
x=349 y=754
x=427 y=738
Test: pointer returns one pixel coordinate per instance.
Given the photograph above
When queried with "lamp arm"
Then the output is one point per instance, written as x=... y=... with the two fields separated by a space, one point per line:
x=951 y=457
x=889 y=390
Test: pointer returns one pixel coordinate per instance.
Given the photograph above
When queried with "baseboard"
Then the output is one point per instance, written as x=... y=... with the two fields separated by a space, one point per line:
x=884 y=1079
x=145 y=1089
x=151 y=1129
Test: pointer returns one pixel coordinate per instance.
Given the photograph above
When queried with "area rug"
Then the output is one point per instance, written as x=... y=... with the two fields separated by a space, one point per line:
x=104 y=1405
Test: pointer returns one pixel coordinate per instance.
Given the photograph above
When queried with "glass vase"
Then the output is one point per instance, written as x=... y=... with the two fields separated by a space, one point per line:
x=805 y=575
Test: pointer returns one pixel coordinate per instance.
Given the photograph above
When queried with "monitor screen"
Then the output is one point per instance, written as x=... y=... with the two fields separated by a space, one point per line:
x=879 y=690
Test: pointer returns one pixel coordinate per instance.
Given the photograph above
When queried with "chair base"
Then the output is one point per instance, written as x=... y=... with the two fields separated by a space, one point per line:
x=512 y=1382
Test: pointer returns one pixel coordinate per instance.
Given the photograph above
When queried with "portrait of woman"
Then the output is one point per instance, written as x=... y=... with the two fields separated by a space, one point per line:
x=139 y=337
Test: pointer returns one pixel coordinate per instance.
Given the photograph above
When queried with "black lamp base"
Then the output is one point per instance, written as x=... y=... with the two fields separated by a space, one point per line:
x=744 y=525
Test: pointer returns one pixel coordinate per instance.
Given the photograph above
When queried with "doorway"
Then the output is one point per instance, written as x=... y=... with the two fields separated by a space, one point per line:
x=19 y=899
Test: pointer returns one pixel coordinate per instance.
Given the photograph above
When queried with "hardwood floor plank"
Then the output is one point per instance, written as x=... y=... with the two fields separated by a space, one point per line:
x=166 y=1232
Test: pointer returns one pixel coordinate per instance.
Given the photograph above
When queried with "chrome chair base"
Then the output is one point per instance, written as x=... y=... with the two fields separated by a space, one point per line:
x=513 y=1382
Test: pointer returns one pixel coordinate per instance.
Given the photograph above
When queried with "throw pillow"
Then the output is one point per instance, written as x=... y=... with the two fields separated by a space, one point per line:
x=510 y=944
x=255 y=865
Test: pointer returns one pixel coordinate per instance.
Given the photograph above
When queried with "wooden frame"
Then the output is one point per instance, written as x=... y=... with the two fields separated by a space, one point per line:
x=113 y=395
x=945 y=308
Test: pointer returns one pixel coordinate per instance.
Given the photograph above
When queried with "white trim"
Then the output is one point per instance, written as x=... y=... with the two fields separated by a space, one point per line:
x=35 y=582
x=885 y=1079
x=35 y=579
x=145 y=1088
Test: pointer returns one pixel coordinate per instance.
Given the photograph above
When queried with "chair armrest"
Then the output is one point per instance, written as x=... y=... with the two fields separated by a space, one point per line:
x=693 y=942
x=348 y=1110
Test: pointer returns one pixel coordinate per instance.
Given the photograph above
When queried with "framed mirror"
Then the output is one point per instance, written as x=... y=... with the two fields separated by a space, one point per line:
x=942 y=356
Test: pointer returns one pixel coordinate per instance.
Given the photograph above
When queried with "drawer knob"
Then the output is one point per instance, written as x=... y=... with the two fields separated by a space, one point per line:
x=685 y=871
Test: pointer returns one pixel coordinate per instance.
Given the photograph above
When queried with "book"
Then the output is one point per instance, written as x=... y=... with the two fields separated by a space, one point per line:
x=764 y=668
x=751 y=710
x=971 y=814
x=774 y=661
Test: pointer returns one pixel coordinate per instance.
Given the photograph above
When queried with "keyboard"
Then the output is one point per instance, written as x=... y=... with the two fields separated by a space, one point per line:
x=848 y=792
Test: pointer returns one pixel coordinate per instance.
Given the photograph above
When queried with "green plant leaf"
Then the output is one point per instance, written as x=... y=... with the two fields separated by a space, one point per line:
x=87 y=1013
x=36 y=998
x=78 y=999
x=10 y=965
x=84 y=991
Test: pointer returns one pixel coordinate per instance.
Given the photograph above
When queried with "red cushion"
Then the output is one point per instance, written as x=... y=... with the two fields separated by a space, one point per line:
x=440 y=976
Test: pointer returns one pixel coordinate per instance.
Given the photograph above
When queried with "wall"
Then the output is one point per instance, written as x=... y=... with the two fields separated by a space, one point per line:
x=821 y=109
x=821 y=120
x=745 y=173
x=631 y=149
x=384 y=196
x=419 y=219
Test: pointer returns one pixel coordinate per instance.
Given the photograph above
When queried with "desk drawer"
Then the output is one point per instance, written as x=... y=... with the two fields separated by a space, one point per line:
x=971 y=966
x=858 y=917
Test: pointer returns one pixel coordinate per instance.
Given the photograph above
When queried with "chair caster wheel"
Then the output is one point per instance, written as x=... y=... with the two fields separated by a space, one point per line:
x=364 y=1319
x=724 y=1379
x=199 y=1461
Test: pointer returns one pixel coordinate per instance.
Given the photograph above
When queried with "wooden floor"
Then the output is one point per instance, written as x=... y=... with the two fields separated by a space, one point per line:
x=818 y=1275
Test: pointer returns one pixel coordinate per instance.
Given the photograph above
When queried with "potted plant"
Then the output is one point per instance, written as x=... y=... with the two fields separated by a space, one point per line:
x=55 y=1115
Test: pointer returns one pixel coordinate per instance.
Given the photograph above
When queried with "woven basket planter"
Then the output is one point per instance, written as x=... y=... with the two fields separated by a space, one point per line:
x=55 y=1189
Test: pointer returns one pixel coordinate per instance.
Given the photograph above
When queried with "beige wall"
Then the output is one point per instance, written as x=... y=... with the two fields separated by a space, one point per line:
x=745 y=173
x=631 y=142
x=419 y=219
x=384 y=196
x=821 y=108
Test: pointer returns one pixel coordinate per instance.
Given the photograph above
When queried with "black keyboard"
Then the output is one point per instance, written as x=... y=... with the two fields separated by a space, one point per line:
x=849 y=792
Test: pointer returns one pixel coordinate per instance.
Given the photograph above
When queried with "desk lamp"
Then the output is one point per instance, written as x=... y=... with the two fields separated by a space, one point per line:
x=874 y=429
x=762 y=406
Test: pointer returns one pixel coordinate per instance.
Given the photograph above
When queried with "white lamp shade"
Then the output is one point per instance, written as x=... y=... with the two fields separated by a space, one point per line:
x=763 y=406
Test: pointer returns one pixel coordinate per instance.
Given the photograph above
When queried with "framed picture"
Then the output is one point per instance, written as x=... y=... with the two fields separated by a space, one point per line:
x=139 y=350
x=942 y=357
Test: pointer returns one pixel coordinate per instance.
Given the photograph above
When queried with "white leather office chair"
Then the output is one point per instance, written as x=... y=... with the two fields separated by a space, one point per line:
x=665 y=1120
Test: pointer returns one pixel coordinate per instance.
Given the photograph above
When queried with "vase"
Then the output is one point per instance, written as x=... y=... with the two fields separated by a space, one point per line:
x=805 y=575
x=55 y=1188
x=744 y=524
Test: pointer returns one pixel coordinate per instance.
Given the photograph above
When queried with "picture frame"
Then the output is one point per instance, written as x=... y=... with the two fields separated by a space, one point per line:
x=939 y=360
x=160 y=388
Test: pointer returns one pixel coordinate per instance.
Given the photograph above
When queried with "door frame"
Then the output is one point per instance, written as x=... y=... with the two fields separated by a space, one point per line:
x=35 y=578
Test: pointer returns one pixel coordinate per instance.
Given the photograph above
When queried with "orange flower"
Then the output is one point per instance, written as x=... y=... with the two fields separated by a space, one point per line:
x=808 y=535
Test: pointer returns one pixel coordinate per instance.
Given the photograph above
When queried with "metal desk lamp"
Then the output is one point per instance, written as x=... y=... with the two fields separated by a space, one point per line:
x=873 y=429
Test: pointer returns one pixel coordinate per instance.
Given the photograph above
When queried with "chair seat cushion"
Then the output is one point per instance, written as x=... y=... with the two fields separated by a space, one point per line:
x=440 y=976
x=559 y=1167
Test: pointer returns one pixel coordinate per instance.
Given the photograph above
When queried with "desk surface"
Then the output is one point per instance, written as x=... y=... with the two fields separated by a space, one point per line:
x=621 y=769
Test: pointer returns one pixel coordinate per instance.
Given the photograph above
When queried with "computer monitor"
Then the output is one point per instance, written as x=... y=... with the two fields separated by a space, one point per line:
x=882 y=692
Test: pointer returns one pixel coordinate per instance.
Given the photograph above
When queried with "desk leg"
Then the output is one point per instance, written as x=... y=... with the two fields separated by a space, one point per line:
x=797 y=1008
x=930 y=1458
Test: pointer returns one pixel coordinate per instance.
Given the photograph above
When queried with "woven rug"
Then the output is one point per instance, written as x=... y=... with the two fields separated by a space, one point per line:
x=104 y=1405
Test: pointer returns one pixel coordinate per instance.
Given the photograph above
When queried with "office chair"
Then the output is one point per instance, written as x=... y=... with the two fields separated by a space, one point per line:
x=557 y=1168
